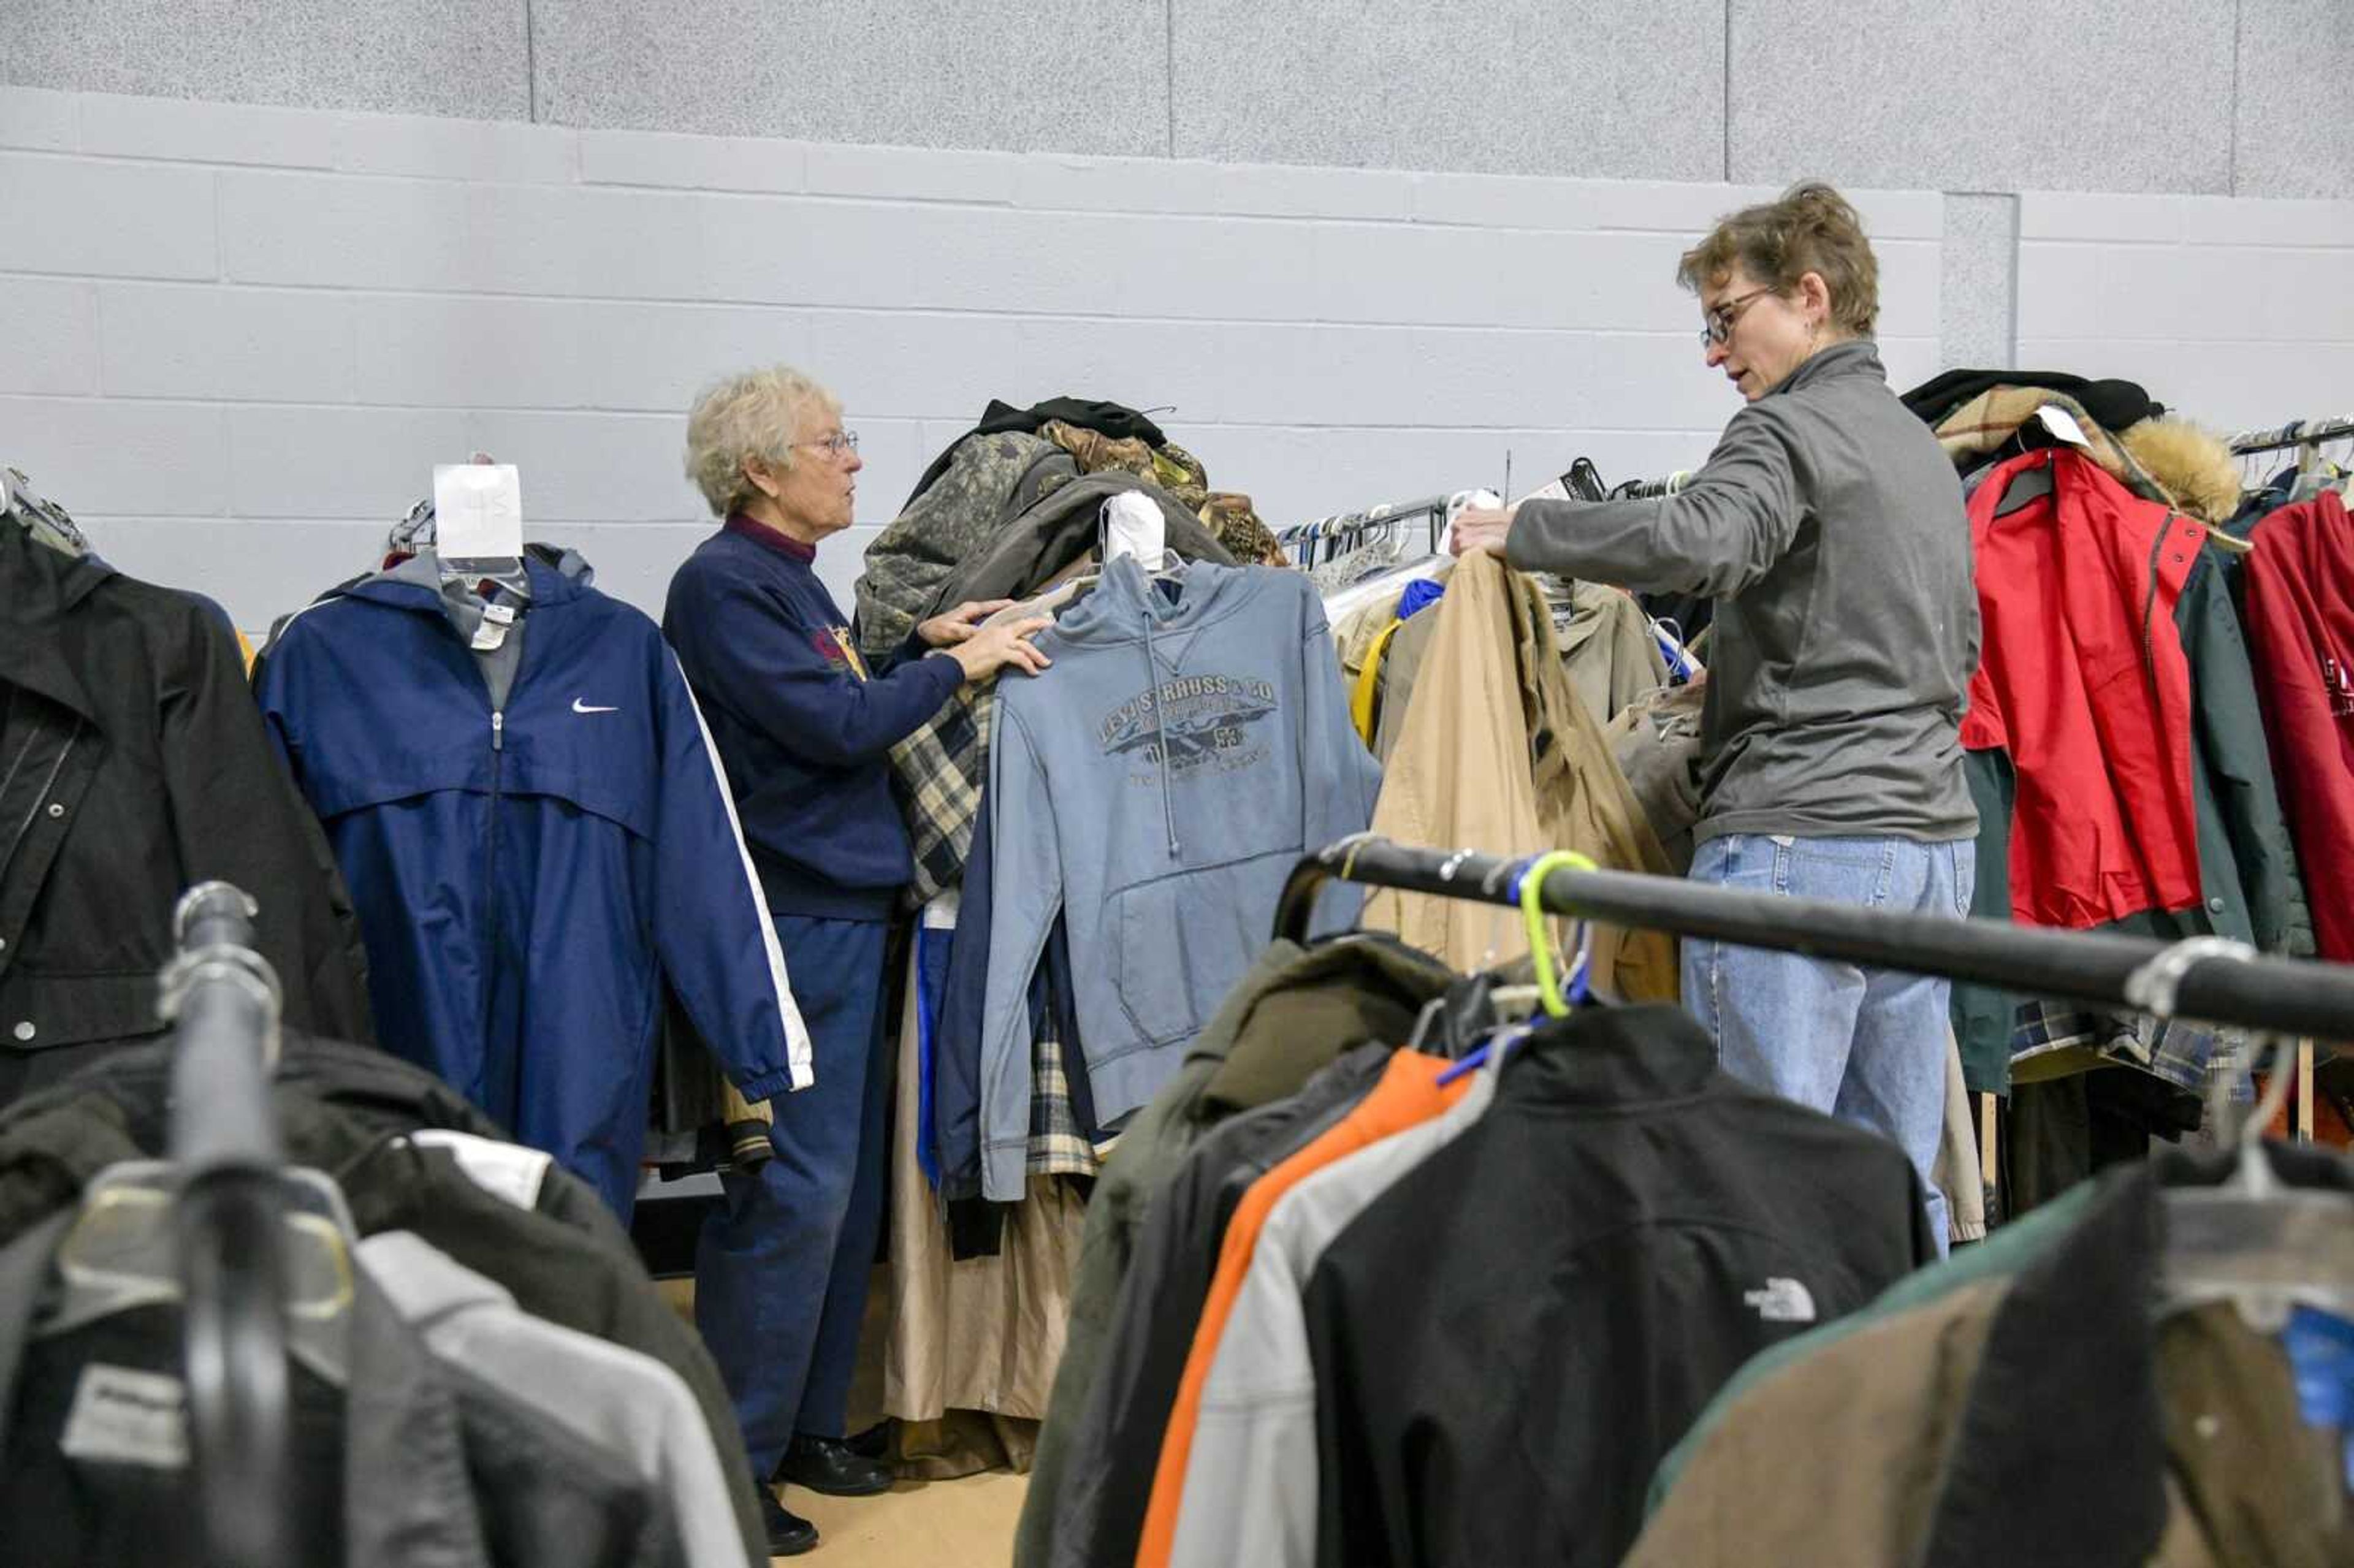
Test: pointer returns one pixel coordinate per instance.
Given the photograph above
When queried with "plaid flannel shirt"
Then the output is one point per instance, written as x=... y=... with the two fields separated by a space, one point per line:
x=2176 y=1052
x=938 y=774
x=1057 y=1145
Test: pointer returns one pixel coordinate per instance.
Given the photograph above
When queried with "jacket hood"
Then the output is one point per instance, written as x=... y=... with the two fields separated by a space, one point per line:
x=2195 y=467
x=416 y=583
x=1127 y=604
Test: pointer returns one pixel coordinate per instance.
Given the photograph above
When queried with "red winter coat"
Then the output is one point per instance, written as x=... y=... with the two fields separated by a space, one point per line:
x=2300 y=609
x=2084 y=682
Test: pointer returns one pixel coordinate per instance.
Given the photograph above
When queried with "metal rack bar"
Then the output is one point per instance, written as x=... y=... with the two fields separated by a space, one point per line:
x=2084 y=967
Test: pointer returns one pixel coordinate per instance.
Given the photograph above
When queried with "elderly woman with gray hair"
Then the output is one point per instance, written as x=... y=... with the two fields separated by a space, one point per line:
x=804 y=730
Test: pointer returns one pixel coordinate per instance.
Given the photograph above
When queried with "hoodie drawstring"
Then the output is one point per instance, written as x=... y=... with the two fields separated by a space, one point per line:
x=1159 y=723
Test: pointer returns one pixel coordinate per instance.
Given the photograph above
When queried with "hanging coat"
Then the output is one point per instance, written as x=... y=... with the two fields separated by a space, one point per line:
x=134 y=766
x=528 y=877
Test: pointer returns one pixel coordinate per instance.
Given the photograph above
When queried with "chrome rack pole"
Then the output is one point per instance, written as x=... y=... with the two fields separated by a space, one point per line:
x=2088 y=968
x=224 y=1001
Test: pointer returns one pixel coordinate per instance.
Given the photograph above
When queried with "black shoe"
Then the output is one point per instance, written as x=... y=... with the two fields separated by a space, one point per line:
x=789 y=1534
x=875 y=1443
x=827 y=1465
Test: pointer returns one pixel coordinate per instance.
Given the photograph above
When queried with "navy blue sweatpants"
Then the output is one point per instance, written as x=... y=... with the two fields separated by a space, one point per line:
x=781 y=1273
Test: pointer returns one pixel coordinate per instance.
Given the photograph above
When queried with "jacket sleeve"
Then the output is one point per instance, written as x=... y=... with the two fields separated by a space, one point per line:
x=1720 y=533
x=768 y=670
x=1340 y=779
x=711 y=926
x=956 y=1041
x=2229 y=722
x=1025 y=853
x=239 y=820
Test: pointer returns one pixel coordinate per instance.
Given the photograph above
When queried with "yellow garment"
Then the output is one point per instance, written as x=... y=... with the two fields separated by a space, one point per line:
x=1367 y=690
x=245 y=652
x=1474 y=768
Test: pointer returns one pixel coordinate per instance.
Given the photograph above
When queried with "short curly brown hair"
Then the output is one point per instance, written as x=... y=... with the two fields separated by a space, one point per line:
x=1810 y=228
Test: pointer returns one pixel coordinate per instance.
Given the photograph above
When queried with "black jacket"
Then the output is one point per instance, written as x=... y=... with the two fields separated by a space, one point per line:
x=338 y=1106
x=133 y=763
x=1508 y=1340
x=412 y=1465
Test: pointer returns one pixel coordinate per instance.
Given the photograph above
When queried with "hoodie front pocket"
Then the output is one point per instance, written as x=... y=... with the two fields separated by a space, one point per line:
x=1183 y=941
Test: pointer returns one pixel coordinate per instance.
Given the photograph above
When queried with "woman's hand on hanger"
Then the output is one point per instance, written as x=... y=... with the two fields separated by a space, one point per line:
x=958 y=624
x=1481 y=528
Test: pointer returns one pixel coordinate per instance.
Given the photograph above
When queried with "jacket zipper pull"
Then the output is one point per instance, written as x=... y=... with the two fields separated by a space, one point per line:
x=498 y=732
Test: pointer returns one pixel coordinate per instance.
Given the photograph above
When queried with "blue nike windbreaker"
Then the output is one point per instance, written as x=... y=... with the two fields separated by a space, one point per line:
x=526 y=879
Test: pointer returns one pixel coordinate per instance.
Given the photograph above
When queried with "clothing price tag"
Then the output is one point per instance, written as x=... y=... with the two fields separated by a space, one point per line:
x=121 y=1417
x=489 y=635
x=2061 y=423
x=477 y=510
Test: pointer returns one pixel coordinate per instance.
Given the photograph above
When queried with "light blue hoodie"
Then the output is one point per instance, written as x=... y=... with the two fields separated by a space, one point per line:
x=1157 y=785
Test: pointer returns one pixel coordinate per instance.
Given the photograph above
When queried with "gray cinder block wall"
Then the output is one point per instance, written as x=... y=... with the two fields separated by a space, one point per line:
x=262 y=266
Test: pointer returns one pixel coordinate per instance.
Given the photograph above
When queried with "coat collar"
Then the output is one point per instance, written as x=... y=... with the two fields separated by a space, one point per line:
x=2063 y=1436
x=1857 y=357
x=1611 y=1056
x=39 y=588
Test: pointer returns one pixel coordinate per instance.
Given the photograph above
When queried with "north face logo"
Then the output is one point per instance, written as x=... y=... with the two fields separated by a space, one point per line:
x=1783 y=1301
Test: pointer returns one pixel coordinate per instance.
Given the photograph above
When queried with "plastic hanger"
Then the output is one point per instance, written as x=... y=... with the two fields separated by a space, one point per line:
x=122 y=1253
x=2265 y=1248
x=1528 y=891
x=2255 y=1242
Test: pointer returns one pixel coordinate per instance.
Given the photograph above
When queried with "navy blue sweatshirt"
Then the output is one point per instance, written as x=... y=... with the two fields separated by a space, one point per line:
x=804 y=735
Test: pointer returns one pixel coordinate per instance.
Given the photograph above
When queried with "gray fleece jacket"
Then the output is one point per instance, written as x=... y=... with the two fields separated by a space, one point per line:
x=1829 y=525
x=1156 y=786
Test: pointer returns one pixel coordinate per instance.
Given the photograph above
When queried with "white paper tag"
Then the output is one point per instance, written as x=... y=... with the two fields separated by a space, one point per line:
x=125 y=1418
x=2062 y=425
x=505 y=1170
x=1556 y=491
x=489 y=636
x=502 y=613
x=477 y=510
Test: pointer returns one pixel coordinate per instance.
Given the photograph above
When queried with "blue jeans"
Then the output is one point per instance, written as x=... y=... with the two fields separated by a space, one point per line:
x=1866 y=1045
x=780 y=1272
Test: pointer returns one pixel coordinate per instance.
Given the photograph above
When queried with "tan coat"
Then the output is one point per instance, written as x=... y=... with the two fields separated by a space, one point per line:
x=1475 y=768
x=985 y=1334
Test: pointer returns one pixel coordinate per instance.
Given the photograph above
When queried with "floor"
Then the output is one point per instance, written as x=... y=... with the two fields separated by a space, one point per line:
x=967 y=1524
x=917 y=1524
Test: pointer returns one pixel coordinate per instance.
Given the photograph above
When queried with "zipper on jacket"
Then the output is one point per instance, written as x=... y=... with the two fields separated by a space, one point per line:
x=489 y=960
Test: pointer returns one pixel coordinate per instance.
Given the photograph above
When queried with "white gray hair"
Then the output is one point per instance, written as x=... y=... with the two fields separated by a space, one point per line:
x=756 y=414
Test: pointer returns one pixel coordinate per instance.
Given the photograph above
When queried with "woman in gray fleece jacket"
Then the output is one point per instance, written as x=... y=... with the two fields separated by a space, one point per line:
x=1829 y=525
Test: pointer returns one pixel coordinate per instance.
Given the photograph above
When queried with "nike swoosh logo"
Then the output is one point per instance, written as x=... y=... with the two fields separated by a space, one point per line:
x=580 y=708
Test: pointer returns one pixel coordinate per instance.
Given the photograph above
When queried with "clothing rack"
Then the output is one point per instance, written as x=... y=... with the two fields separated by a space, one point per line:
x=2203 y=978
x=2296 y=433
x=1345 y=529
x=228 y=1215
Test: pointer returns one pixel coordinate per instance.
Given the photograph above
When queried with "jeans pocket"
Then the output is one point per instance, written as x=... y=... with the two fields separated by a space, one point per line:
x=1844 y=871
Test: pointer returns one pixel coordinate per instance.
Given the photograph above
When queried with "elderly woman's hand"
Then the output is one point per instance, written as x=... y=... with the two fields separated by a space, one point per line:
x=958 y=624
x=985 y=653
x=1479 y=528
